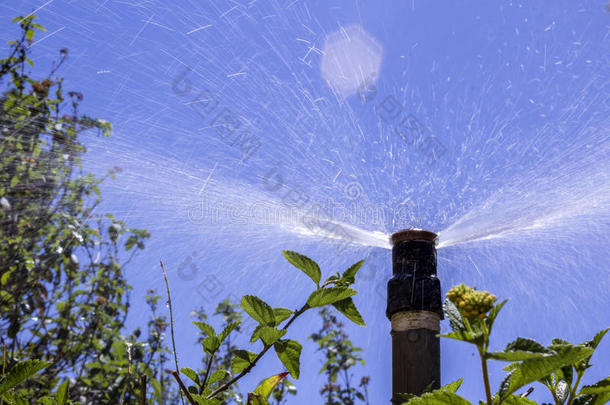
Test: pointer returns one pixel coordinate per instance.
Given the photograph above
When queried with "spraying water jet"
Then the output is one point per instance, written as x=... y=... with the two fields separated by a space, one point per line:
x=415 y=310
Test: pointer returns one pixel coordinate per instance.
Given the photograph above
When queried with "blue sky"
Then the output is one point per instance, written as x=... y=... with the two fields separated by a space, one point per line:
x=514 y=96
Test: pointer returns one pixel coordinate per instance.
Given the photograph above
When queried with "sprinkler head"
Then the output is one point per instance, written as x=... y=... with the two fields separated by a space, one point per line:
x=414 y=285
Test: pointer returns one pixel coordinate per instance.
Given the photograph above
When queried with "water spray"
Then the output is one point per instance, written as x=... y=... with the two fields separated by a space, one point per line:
x=415 y=311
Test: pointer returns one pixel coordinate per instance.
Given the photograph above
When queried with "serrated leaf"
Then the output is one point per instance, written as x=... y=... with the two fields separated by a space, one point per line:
x=211 y=344
x=227 y=330
x=258 y=309
x=205 y=328
x=526 y=345
x=289 y=353
x=270 y=335
x=454 y=315
x=21 y=372
x=593 y=343
x=241 y=360
x=452 y=387
x=438 y=397
x=305 y=264
x=348 y=308
x=266 y=387
x=190 y=373
x=534 y=369
x=281 y=314
x=350 y=273
x=326 y=296
x=515 y=355
x=597 y=388
x=521 y=349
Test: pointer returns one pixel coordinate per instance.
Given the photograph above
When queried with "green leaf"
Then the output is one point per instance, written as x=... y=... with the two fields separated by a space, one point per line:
x=255 y=334
x=534 y=369
x=350 y=273
x=258 y=309
x=227 y=330
x=493 y=313
x=270 y=335
x=597 y=338
x=526 y=345
x=62 y=393
x=516 y=355
x=599 y=387
x=21 y=372
x=326 y=296
x=521 y=349
x=305 y=264
x=205 y=328
x=464 y=336
x=211 y=344
x=266 y=387
x=241 y=360
x=281 y=314
x=190 y=373
x=217 y=375
x=438 y=397
x=348 y=308
x=518 y=400
x=452 y=387
x=289 y=353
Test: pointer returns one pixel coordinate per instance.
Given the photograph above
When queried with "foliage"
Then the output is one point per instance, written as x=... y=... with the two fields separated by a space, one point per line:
x=340 y=357
x=559 y=366
x=272 y=325
x=64 y=297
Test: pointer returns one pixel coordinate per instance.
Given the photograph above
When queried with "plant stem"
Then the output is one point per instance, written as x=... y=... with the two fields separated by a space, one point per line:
x=573 y=390
x=245 y=371
x=183 y=387
x=171 y=321
x=485 y=376
x=207 y=373
x=143 y=389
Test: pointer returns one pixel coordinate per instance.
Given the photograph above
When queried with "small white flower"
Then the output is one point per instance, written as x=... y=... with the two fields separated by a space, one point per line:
x=5 y=204
x=59 y=250
x=58 y=126
x=74 y=258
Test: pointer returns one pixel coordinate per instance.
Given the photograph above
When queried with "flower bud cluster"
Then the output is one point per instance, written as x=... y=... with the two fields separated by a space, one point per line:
x=471 y=303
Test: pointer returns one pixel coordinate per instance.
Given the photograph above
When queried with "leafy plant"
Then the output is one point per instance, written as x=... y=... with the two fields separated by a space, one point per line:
x=63 y=295
x=559 y=366
x=340 y=357
x=272 y=326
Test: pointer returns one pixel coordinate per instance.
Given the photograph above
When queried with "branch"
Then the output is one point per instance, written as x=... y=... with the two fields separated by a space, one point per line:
x=183 y=388
x=143 y=389
x=171 y=322
x=245 y=371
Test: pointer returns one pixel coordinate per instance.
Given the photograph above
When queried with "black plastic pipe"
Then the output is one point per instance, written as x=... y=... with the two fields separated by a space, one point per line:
x=415 y=310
